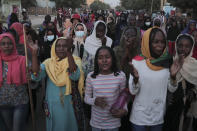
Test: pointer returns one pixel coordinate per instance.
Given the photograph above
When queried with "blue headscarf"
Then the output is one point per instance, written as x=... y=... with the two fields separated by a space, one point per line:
x=187 y=30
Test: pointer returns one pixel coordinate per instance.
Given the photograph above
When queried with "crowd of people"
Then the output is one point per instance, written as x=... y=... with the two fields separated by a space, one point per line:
x=102 y=71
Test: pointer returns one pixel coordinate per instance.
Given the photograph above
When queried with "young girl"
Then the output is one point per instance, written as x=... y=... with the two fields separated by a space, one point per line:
x=181 y=114
x=97 y=39
x=103 y=86
x=151 y=76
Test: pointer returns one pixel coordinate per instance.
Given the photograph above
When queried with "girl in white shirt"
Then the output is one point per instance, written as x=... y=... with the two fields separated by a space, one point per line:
x=149 y=81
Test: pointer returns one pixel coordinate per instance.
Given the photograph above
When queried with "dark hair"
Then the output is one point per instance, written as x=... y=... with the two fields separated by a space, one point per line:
x=100 y=15
x=13 y=18
x=33 y=34
x=152 y=36
x=187 y=37
x=14 y=34
x=47 y=18
x=114 y=67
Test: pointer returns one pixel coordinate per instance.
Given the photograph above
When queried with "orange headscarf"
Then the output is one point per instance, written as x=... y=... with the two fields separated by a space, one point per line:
x=145 y=49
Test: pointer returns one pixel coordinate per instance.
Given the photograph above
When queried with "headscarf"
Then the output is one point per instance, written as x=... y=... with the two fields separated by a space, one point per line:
x=80 y=39
x=18 y=27
x=92 y=43
x=16 y=64
x=153 y=63
x=187 y=30
x=58 y=70
x=189 y=68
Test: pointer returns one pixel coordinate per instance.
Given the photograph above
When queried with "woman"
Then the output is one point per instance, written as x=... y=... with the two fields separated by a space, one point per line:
x=14 y=100
x=97 y=39
x=120 y=26
x=149 y=81
x=111 y=28
x=190 y=27
x=103 y=86
x=67 y=27
x=80 y=36
x=61 y=70
x=18 y=27
x=125 y=52
x=183 y=106
x=45 y=48
x=172 y=34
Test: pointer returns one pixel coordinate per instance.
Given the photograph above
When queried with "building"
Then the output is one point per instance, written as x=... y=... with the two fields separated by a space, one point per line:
x=89 y=2
x=7 y=6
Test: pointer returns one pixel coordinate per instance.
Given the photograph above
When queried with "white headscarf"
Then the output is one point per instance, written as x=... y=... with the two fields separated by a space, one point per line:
x=189 y=68
x=80 y=39
x=92 y=43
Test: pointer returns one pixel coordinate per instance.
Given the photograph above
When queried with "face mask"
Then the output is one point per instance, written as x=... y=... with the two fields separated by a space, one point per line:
x=50 y=37
x=147 y=23
x=79 y=33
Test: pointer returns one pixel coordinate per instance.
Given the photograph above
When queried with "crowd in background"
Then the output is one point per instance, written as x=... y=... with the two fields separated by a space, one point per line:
x=103 y=71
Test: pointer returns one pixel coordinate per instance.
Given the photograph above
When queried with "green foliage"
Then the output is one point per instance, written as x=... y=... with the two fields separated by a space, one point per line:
x=185 y=4
x=97 y=5
x=28 y=3
x=68 y=3
x=120 y=8
x=140 y=4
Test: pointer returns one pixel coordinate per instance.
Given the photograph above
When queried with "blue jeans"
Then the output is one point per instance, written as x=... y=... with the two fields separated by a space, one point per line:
x=14 y=118
x=144 y=128
x=97 y=129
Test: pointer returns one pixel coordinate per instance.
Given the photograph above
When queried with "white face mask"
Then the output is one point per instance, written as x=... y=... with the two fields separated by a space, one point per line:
x=50 y=37
x=147 y=23
x=79 y=33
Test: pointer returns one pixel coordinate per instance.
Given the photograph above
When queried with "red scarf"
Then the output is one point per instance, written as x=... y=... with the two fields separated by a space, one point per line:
x=16 y=65
x=18 y=27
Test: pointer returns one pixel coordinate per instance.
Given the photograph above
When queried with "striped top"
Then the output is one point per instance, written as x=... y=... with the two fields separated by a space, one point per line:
x=108 y=86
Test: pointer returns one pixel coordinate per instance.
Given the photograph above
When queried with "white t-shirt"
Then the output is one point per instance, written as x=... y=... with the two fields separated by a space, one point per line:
x=150 y=94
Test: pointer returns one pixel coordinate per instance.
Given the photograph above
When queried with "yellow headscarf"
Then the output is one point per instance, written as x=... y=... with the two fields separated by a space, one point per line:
x=57 y=70
x=145 y=49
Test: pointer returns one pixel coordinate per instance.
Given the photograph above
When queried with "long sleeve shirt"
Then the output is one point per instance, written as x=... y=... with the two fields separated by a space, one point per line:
x=109 y=87
x=150 y=94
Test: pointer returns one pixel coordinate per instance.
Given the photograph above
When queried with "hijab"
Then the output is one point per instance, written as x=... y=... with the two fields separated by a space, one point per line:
x=80 y=39
x=58 y=70
x=18 y=27
x=187 y=30
x=16 y=64
x=189 y=68
x=92 y=43
x=153 y=63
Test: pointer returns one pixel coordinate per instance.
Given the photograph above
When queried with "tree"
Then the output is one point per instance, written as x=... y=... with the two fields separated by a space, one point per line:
x=97 y=5
x=69 y=3
x=28 y=3
x=185 y=4
x=120 y=8
x=140 y=4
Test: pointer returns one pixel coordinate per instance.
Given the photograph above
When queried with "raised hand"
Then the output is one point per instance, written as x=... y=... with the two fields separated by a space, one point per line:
x=134 y=73
x=176 y=66
x=104 y=40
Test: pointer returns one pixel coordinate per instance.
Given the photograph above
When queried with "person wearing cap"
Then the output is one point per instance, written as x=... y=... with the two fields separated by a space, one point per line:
x=75 y=19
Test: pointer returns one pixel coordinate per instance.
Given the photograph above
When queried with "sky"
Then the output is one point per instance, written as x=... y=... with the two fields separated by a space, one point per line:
x=112 y=3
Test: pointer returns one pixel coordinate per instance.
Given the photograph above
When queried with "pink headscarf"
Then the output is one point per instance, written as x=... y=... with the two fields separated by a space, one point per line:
x=18 y=27
x=16 y=64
